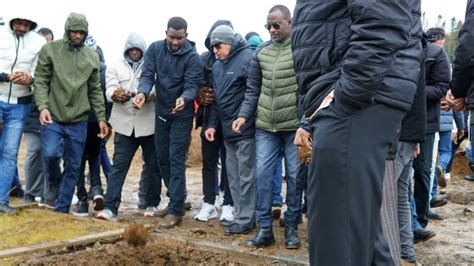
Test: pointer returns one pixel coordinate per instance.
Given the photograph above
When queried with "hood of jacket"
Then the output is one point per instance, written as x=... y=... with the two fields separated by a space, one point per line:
x=75 y=22
x=238 y=44
x=34 y=25
x=207 y=42
x=134 y=40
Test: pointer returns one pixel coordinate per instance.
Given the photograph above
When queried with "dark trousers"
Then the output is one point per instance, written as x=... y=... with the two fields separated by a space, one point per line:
x=422 y=168
x=211 y=152
x=172 y=143
x=91 y=154
x=125 y=148
x=345 y=184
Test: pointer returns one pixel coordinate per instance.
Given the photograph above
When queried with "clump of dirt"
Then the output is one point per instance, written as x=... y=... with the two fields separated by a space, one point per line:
x=135 y=234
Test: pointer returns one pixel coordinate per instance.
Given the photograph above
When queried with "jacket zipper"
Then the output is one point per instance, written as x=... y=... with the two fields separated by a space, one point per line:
x=13 y=66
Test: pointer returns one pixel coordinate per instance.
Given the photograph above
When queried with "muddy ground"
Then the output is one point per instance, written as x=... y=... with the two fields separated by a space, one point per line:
x=204 y=242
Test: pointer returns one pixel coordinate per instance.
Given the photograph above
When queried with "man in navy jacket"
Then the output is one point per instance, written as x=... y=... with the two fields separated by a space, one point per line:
x=174 y=67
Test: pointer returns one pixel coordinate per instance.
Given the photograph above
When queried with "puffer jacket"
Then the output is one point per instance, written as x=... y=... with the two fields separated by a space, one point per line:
x=230 y=84
x=447 y=118
x=18 y=54
x=462 y=84
x=272 y=88
x=363 y=50
x=125 y=74
x=67 y=80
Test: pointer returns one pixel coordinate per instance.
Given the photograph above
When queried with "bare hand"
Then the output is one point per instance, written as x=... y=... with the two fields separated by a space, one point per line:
x=416 y=152
x=119 y=96
x=179 y=106
x=22 y=78
x=458 y=104
x=104 y=130
x=303 y=139
x=210 y=133
x=445 y=105
x=206 y=96
x=45 y=117
x=238 y=123
x=138 y=100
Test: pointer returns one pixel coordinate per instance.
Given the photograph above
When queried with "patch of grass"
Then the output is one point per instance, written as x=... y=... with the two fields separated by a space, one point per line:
x=34 y=226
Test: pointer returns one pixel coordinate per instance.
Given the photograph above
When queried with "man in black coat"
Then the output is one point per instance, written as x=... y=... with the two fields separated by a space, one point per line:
x=462 y=84
x=357 y=70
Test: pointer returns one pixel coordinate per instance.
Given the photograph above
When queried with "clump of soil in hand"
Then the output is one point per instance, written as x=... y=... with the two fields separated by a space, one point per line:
x=304 y=154
x=135 y=234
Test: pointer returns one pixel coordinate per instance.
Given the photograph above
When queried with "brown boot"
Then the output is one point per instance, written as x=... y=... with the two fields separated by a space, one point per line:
x=171 y=221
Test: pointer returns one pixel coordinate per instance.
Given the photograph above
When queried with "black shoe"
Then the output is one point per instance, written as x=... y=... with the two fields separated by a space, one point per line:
x=440 y=176
x=437 y=201
x=6 y=209
x=469 y=178
x=282 y=221
x=471 y=166
x=27 y=199
x=98 y=202
x=82 y=209
x=292 y=241
x=226 y=223
x=188 y=206
x=263 y=238
x=237 y=229
x=432 y=215
x=17 y=192
x=422 y=235
x=48 y=204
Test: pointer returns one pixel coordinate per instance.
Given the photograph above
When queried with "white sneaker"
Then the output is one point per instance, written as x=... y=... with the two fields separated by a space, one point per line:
x=219 y=199
x=150 y=211
x=206 y=213
x=74 y=200
x=447 y=176
x=227 y=213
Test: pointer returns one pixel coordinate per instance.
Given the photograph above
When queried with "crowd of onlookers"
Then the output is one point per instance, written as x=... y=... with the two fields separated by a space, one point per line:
x=383 y=104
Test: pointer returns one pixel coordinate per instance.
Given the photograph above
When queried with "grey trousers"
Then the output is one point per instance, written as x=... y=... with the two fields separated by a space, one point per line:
x=241 y=169
x=403 y=168
x=34 y=176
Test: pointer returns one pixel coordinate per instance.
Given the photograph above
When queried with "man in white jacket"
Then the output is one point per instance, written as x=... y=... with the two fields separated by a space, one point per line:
x=133 y=128
x=19 y=48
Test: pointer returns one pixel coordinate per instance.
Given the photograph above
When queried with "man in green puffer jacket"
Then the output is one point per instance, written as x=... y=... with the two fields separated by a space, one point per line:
x=67 y=86
x=271 y=94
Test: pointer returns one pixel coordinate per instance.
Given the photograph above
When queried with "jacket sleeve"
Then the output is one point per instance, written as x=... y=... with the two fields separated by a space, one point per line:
x=42 y=78
x=379 y=30
x=463 y=71
x=113 y=82
x=96 y=97
x=213 y=118
x=254 y=85
x=439 y=77
x=192 y=77
x=147 y=78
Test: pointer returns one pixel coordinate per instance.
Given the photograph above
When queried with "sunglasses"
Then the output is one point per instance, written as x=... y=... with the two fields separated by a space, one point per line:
x=275 y=25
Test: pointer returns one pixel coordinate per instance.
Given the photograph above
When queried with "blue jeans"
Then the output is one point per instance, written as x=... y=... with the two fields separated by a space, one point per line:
x=444 y=149
x=172 y=143
x=269 y=145
x=277 y=181
x=66 y=141
x=104 y=159
x=14 y=117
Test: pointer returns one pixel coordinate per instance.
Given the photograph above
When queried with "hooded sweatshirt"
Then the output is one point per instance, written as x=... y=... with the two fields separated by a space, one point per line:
x=125 y=74
x=18 y=54
x=67 y=77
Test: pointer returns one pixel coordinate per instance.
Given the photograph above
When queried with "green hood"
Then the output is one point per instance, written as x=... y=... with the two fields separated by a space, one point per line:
x=76 y=22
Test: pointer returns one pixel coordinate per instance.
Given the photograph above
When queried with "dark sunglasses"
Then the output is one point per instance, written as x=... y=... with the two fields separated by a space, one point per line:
x=275 y=25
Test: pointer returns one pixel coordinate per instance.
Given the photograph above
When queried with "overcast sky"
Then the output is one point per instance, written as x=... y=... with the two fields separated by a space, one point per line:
x=110 y=22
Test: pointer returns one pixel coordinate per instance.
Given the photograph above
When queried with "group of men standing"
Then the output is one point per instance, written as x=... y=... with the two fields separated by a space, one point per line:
x=329 y=78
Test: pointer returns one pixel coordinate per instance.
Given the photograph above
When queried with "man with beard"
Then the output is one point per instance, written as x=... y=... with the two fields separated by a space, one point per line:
x=19 y=50
x=67 y=86
x=174 y=67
